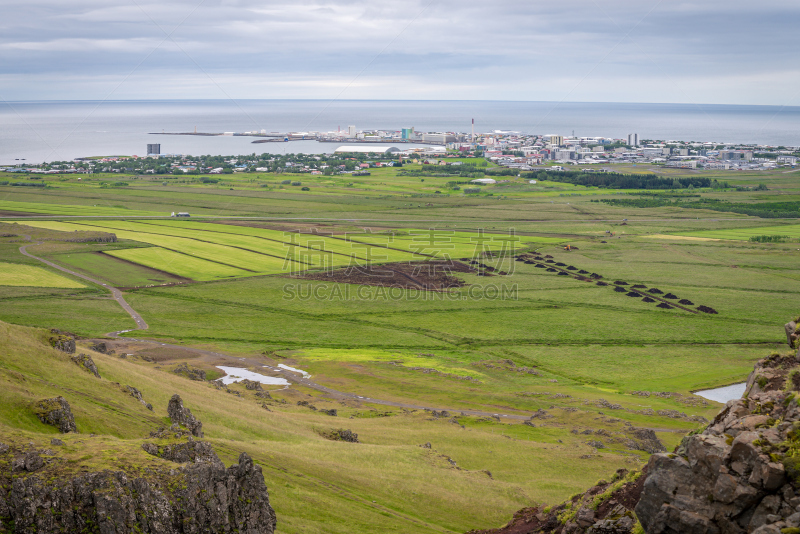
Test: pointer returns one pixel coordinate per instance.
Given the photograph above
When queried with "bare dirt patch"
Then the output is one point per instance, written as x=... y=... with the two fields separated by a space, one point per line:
x=166 y=354
x=425 y=275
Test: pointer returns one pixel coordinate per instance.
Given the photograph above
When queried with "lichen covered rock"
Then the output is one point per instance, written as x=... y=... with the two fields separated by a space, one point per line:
x=56 y=412
x=62 y=341
x=86 y=362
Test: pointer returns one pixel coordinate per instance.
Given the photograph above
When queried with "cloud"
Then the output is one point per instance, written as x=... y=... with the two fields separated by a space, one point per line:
x=618 y=50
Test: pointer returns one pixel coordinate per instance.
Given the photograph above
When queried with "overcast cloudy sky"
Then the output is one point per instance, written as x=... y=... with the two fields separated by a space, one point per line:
x=711 y=51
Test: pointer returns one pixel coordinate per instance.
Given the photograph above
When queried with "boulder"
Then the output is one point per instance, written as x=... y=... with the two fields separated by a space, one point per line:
x=56 y=412
x=33 y=462
x=251 y=385
x=341 y=435
x=646 y=440
x=100 y=346
x=63 y=342
x=183 y=416
x=190 y=373
x=791 y=333
x=191 y=451
x=85 y=361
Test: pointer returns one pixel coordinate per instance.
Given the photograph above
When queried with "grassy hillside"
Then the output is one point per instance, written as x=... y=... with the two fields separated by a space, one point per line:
x=386 y=482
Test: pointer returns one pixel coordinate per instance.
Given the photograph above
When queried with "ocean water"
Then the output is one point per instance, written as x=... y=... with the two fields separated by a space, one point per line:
x=63 y=130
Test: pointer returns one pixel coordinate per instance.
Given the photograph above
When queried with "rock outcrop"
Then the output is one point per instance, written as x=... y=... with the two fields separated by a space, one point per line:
x=792 y=329
x=56 y=412
x=101 y=347
x=192 y=452
x=251 y=385
x=645 y=439
x=62 y=341
x=196 y=498
x=739 y=475
x=606 y=508
x=136 y=394
x=183 y=416
x=189 y=372
x=341 y=435
x=85 y=361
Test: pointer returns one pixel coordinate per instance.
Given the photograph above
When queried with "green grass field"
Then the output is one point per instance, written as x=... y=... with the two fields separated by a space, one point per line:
x=14 y=274
x=181 y=264
x=790 y=230
x=103 y=263
x=73 y=210
x=510 y=344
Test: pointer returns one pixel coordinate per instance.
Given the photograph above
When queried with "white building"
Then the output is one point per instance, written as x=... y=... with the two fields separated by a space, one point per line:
x=366 y=148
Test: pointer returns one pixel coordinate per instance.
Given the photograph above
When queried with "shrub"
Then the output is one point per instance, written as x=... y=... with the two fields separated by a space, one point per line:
x=297 y=183
x=768 y=238
x=792 y=466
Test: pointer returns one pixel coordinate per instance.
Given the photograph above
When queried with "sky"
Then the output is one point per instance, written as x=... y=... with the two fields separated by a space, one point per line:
x=713 y=52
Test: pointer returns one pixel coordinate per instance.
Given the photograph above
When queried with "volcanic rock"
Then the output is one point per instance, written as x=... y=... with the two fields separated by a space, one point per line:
x=56 y=412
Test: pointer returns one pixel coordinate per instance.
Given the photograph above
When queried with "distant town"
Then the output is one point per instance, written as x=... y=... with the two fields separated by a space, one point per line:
x=512 y=150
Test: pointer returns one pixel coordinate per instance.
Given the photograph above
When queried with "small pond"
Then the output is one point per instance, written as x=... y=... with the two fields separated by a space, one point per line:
x=235 y=374
x=298 y=371
x=723 y=394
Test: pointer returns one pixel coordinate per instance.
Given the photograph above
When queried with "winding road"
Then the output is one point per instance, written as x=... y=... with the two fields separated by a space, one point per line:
x=290 y=376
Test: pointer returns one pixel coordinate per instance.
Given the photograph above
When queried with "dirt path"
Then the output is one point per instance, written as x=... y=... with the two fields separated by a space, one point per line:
x=116 y=293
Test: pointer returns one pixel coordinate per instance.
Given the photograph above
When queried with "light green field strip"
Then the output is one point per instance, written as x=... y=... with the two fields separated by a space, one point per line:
x=243 y=259
x=341 y=249
x=68 y=209
x=56 y=225
x=179 y=264
x=15 y=274
x=277 y=250
x=743 y=234
x=455 y=244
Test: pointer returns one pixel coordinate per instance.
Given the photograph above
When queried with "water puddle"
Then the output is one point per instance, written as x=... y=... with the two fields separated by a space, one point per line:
x=723 y=394
x=235 y=374
x=298 y=371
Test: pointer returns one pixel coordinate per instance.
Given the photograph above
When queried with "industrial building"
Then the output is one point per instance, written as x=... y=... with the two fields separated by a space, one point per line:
x=366 y=148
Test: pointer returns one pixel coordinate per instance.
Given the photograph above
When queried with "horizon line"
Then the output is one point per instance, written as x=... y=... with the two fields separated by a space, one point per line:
x=555 y=102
